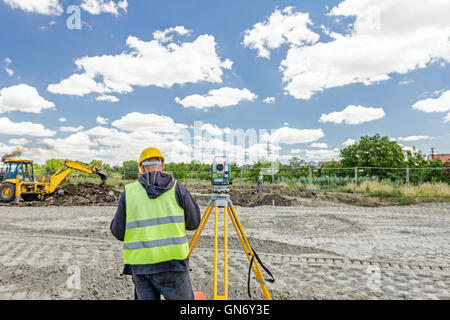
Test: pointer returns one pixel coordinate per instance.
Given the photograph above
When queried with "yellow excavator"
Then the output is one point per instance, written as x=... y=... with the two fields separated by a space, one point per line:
x=17 y=179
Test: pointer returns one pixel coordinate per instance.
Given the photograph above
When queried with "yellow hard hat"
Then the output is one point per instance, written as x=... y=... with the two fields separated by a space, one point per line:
x=150 y=153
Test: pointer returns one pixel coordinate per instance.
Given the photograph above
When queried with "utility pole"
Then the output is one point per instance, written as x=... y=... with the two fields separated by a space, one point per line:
x=246 y=156
x=432 y=153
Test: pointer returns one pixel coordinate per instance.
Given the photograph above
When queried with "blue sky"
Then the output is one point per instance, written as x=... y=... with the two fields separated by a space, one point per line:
x=333 y=71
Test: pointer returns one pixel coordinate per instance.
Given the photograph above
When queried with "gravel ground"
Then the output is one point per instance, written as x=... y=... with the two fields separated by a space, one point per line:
x=322 y=251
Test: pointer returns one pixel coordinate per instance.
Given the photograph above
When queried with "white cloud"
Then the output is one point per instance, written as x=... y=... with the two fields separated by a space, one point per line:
x=387 y=37
x=353 y=115
x=71 y=129
x=406 y=148
x=440 y=104
x=282 y=27
x=136 y=121
x=447 y=117
x=223 y=97
x=19 y=141
x=125 y=145
x=148 y=64
x=163 y=36
x=97 y=7
x=135 y=131
x=293 y=136
x=415 y=138
x=214 y=130
x=319 y=145
x=24 y=128
x=46 y=7
x=269 y=100
x=348 y=142
x=23 y=98
x=62 y=119
x=101 y=120
x=48 y=25
x=7 y=62
x=77 y=85
x=77 y=146
x=107 y=98
x=322 y=154
x=406 y=82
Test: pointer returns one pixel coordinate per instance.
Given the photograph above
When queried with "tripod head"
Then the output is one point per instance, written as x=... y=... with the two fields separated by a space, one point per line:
x=221 y=189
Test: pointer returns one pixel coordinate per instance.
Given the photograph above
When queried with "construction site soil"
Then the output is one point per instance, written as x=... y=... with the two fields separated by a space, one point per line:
x=317 y=246
x=91 y=194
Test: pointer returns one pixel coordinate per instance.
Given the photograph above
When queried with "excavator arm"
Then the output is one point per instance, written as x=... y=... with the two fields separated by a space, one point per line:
x=70 y=165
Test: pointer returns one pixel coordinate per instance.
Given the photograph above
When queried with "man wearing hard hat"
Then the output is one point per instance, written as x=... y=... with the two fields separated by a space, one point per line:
x=151 y=219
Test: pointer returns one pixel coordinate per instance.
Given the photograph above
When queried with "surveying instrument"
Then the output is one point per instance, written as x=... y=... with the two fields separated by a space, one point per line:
x=220 y=179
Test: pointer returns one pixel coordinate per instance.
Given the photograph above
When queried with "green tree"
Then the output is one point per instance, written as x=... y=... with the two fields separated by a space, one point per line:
x=375 y=151
x=130 y=169
x=52 y=165
x=415 y=159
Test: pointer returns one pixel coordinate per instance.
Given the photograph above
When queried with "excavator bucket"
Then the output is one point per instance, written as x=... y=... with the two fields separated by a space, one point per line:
x=103 y=175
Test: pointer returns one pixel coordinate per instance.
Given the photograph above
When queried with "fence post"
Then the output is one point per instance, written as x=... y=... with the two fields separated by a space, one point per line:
x=356 y=179
x=242 y=181
x=407 y=177
x=273 y=175
x=310 y=177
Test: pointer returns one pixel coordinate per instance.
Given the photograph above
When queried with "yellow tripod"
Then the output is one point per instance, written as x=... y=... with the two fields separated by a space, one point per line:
x=223 y=200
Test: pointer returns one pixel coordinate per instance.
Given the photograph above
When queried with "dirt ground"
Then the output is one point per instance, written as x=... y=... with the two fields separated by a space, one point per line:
x=316 y=248
x=91 y=194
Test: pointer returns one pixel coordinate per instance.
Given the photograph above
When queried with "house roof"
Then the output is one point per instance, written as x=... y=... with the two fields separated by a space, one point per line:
x=444 y=157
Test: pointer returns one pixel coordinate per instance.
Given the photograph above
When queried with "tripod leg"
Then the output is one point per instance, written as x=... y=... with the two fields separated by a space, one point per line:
x=215 y=256
x=199 y=230
x=248 y=252
x=225 y=284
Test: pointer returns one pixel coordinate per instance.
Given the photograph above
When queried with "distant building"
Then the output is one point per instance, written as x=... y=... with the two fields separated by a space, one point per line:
x=444 y=157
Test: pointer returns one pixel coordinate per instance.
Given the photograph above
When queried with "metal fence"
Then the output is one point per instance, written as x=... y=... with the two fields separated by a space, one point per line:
x=318 y=178
x=332 y=178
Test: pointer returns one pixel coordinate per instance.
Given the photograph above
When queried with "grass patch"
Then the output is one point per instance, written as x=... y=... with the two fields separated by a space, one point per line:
x=427 y=190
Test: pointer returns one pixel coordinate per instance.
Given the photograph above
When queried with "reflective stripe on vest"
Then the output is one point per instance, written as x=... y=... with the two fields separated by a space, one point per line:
x=155 y=228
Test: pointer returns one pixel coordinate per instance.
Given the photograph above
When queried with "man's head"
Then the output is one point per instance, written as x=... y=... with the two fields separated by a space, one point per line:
x=152 y=164
x=260 y=173
x=151 y=159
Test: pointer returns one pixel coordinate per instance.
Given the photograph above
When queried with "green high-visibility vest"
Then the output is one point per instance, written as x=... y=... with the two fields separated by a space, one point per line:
x=155 y=228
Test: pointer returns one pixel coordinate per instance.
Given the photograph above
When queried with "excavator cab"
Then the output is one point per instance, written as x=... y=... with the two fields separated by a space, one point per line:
x=13 y=172
x=17 y=168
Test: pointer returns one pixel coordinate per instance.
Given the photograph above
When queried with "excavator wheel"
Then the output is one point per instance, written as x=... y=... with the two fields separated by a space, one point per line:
x=7 y=192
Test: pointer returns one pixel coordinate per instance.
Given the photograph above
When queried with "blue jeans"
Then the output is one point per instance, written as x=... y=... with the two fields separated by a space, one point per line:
x=260 y=184
x=173 y=285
